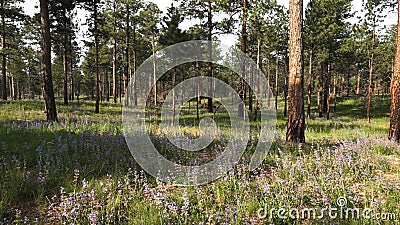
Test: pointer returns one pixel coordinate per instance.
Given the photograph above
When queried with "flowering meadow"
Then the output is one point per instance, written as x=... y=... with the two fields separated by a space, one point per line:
x=80 y=171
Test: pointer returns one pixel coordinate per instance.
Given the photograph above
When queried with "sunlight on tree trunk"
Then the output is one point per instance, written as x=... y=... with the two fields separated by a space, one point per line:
x=394 y=132
x=310 y=84
x=371 y=72
x=296 y=122
x=3 y=55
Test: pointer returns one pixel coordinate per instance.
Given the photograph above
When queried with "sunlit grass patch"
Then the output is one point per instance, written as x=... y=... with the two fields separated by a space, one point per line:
x=80 y=170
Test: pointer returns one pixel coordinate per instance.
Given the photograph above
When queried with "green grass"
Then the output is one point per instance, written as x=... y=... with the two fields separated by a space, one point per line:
x=80 y=169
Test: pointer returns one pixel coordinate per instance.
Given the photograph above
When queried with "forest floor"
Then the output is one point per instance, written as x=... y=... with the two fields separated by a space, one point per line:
x=80 y=171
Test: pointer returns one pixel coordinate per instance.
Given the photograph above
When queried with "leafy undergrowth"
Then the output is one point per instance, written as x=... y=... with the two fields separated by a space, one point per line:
x=80 y=171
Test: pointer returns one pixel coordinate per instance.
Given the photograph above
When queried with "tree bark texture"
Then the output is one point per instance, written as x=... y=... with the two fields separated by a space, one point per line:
x=48 y=93
x=394 y=132
x=296 y=120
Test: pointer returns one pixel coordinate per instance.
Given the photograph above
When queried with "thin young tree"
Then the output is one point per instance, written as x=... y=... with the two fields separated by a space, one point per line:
x=151 y=17
x=96 y=55
x=326 y=27
x=296 y=120
x=3 y=46
x=93 y=7
x=204 y=10
x=61 y=17
x=373 y=16
x=243 y=48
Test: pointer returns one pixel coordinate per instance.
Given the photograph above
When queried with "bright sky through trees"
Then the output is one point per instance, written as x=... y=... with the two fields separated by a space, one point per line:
x=228 y=39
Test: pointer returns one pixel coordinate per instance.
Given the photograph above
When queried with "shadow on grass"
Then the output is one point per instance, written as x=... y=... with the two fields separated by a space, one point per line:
x=36 y=161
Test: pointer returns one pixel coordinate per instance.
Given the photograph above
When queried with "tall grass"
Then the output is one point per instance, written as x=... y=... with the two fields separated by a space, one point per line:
x=80 y=171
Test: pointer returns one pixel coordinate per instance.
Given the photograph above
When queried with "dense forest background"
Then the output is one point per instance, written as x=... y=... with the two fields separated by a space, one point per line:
x=346 y=52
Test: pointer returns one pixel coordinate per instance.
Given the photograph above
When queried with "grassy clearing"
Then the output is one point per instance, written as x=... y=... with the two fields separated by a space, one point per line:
x=80 y=170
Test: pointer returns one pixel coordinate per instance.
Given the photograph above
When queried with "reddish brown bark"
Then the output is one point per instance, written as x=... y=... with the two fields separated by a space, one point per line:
x=394 y=131
x=358 y=91
x=296 y=120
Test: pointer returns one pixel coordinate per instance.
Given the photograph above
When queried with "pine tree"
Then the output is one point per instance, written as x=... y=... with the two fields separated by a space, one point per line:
x=10 y=13
x=326 y=27
x=171 y=34
x=61 y=16
x=151 y=16
x=51 y=111
x=296 y=120
x=394 y=131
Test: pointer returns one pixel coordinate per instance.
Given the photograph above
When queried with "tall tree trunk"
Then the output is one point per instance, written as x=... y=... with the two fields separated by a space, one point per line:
x=358 y=90
x=65 y=57
x=327 y=92
x=310 y=85
x=121 y=82
x=30 y=93
x=371 y=72
x=48 y=94
x=269 y=81
x=276 y=80
x=153 y=44
x=327 y=85
x=3 y=54
x=335 y=87
x=114 y=66
x=394 y=131
x=19 y=91
x=96 y=57
x=198 y=101
x=210 y=65
x=106 y=86
x=348 y=84
x=243 y=42
x=134 y=66
x=296 y=120
x=341 y=86
x=259 y=67
x=127 y=48
x=78 y=92
x=65 y=65
x=320 y=92
x=72 y=94
x=251 y=91
x=12 y=89
x=285 y=92
x=114 y=73
x=173 y=97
